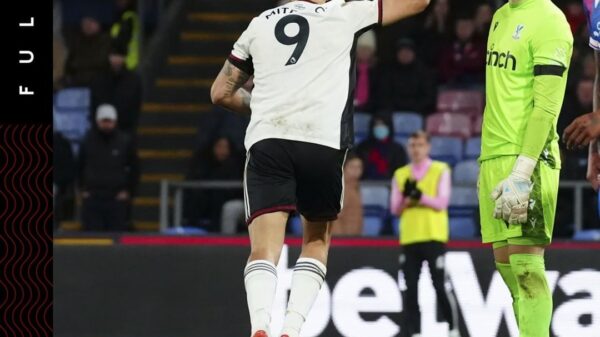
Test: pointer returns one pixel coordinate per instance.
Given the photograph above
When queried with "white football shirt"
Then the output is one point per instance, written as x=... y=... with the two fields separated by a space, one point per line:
x=302 y=56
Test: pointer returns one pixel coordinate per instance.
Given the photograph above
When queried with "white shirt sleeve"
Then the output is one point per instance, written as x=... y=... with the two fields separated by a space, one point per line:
x=240 y=54
x=362 y=13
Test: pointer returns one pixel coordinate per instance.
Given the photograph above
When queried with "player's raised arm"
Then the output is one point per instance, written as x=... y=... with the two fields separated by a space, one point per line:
x=227 y=90
x=395 y=10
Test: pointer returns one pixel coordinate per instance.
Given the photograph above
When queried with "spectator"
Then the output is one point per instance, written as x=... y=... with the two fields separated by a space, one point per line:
x=482 y=20
x=64 y=176
x=575 y=161
x=217 y=161
x=366 y=94
x=420 y=196
x=109 y=173
x=408 y=85
x=462 y=61
x=88 y=54
x=350 y=219
x=122 y=86
x=437 y=31
x=380 y=154
x=125 y=33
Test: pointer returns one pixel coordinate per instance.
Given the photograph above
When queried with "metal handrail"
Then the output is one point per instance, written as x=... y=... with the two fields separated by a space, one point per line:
x=178 y=186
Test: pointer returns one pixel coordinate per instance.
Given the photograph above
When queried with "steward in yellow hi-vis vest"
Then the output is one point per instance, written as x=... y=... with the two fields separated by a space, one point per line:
x=125 y=34
x=422 y=223
x=420 y=197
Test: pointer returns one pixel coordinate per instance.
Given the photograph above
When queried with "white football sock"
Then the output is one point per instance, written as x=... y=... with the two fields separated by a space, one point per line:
x=260 y=278
x=309 y=275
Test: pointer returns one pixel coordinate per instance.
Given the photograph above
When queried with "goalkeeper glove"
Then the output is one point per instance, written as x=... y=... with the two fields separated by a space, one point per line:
x=512 y=194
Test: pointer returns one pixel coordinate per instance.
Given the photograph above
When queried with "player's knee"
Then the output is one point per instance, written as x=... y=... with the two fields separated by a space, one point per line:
x=270 y=254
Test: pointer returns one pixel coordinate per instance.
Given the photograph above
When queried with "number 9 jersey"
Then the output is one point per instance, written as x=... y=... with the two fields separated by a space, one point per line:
x=302 y=56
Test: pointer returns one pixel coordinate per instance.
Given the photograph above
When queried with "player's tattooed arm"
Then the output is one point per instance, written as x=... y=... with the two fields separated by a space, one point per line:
x=227 y=90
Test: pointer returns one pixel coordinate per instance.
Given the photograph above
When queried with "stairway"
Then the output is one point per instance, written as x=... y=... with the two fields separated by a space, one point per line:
x=181 y=93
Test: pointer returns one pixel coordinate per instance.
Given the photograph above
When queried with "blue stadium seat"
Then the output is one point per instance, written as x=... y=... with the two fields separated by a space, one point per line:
x=396 y=225
x=473 y=148
x=401 y=140
x=447 y=149
x=372 y=225
x=375 y=197
x=71 y=113
x=587 y=235
x=462 y=228
x=405 y=123
x=72 y=98
x=466 y=172
x=462 y=212
x=464 y=197
x=362 y=121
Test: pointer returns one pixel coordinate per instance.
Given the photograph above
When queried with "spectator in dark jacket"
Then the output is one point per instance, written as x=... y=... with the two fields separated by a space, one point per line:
x=65 y=170
x=408 y=85
x=367 y=93
x=109 y=173
x=380 y=154
x=217 y=161
x=462 y=61
x=88 y=54
x=437 y=31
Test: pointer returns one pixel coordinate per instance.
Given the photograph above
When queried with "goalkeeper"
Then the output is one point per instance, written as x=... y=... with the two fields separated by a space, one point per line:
x=529 y=50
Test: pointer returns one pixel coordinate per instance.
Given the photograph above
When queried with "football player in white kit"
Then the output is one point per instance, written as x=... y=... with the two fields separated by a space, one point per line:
x=302 y=57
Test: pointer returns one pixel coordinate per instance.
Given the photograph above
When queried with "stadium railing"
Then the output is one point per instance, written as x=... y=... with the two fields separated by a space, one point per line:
x=176 y=189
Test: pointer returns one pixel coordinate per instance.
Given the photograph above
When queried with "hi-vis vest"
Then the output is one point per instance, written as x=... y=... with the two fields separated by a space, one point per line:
x=133 y=49
x=421 y=224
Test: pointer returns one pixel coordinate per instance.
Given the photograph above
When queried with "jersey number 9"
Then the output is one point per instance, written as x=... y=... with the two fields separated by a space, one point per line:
x=299 y=39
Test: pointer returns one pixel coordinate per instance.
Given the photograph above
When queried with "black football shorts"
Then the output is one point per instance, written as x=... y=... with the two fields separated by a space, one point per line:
x=286 y=175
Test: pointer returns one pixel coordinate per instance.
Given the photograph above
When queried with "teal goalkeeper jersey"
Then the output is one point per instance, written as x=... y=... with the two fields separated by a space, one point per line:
x=532 y=32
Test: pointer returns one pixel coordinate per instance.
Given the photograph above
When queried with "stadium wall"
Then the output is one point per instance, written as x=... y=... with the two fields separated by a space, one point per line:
x=181 y=287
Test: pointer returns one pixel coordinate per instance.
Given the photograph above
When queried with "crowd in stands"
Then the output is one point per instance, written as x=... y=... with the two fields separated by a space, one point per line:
x=426 y=72
x=98 y=86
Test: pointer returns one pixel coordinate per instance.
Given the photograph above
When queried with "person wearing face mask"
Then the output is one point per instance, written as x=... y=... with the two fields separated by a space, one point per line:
x=380 y=154
x=109 y=173
x=420 y=196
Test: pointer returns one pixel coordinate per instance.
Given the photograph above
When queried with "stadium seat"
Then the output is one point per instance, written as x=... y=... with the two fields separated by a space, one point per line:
x=405 y=123
x=447 y=149
x=396 y=226
x=449 y=124
x=401 y=140
x=464 y=197
x=375 y=197
x=466 y=172
x=361 y=124
x=587 y=235
x=462 y=228
x=72 y=98
x=462 y=212
x=473 y=148
x=71 y=113
x=372 y=225
x=468 y=102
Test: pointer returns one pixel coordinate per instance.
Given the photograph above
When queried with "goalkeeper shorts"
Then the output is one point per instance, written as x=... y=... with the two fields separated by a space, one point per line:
x=542 y=204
